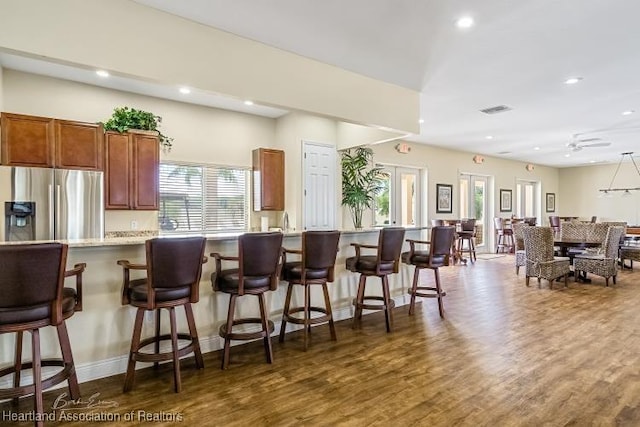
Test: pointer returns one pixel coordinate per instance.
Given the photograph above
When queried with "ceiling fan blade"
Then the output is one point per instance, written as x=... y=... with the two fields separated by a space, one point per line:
x=597 y=144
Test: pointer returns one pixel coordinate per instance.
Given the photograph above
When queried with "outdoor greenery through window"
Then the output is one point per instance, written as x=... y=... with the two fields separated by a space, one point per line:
x=203 y=198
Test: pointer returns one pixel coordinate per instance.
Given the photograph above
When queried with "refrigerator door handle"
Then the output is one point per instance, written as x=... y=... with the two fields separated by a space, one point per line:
x=51 y=213
x=58 y=213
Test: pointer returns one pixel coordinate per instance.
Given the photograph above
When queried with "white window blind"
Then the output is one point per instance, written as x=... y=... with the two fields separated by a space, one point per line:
x=203 y=198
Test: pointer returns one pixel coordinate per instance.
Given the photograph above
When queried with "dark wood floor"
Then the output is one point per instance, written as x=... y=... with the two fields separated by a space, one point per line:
x=506 y=355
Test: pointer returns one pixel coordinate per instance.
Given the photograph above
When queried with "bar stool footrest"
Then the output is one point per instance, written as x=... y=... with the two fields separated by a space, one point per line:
x=312 y=320
x=243 y=336
x=433 y=292
x=57 y=378
x=159 y=357
x=389 y=304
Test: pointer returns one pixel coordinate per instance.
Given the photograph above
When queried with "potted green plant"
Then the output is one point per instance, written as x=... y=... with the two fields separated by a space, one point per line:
x=361 y=182
x=125 y=118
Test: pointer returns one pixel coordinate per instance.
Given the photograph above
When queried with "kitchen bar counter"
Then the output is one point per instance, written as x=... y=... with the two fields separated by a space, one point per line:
x=101 y=334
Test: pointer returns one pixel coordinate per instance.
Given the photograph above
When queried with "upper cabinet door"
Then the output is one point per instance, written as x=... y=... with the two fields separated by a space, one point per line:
x=117 y=175
x=27 y=140
x=268 y=175
x=146 y=171
x=79 y=145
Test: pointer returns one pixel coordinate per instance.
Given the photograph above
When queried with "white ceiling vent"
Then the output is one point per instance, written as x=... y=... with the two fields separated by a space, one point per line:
x=495 y=110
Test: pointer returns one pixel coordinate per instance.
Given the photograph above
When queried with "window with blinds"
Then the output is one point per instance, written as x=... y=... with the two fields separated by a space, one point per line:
x=203 y=198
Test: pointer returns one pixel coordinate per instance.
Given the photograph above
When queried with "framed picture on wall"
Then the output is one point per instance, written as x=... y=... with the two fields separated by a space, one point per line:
x=505 y=200
x=444 y=201
x=551 y=202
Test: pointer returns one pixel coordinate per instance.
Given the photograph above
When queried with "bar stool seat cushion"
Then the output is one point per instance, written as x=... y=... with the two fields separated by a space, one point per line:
x=228 y=281
x=368 y=263
x=293 y=271
x=38 y=312
x=138 y=292
x=422 y=258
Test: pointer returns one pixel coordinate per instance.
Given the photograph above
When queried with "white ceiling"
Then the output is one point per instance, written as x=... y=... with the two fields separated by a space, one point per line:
x=518 y=54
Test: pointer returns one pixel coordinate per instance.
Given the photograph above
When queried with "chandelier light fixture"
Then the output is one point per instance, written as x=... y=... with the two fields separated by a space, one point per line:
x=626 y=191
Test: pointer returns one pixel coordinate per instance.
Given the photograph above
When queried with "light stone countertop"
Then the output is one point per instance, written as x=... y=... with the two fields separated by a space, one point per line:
x=139 y=240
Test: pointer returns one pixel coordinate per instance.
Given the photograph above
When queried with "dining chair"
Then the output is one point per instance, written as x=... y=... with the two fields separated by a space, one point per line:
x=541 y=263
x=603 y=264
x=518 y=234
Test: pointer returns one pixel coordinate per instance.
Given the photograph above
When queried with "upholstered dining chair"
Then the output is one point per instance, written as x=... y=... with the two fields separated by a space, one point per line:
x=173 y=269
x=437 y=256
x=385 y=262
x=257 y=272
x=34 y=297
x=541 y=263
x=315 y=267
x=521 y=258
x=603 y=264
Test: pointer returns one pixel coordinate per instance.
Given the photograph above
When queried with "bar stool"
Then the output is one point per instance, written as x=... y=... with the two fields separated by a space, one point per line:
x=504 y=236
x=385 y=262
x=258 y=271
x=173 y=268
x=33 y=297
x=467 y=234
x=437 y=256
x=316 y=267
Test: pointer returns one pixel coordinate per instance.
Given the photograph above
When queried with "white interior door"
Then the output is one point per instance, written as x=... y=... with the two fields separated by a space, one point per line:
x=319 y=193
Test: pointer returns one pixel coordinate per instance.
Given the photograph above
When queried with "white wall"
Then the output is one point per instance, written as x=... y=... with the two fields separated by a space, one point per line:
x=445 y=166
x=133 y=40
x=580 y=196
x=202 y=134
x=291 y=131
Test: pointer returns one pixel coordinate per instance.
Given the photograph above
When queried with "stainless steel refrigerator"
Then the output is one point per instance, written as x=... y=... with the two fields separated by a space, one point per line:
x=48 y=204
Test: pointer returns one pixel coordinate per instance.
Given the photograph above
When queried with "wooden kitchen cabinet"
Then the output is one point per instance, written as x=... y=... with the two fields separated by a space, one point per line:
x=27 y=140
x=79 y=145
x=132 y=164
x=268 y=179
x=47 y=142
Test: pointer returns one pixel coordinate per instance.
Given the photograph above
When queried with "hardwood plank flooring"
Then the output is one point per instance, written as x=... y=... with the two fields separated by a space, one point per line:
x=506 y=355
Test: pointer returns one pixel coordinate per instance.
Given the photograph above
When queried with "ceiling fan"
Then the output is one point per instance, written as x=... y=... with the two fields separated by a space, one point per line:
x=579 y=144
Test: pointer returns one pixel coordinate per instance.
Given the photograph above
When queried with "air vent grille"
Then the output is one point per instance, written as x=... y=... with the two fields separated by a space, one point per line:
x=497 y=109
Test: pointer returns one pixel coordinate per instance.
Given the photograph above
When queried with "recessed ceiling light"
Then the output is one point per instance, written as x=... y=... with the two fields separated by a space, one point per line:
x=421 y=121
x=465 y=22
x=489 y=137
x=185 y=90
x=572 y=80
x=567 y=155
x=592 y=161
x=248 y=102
x=536 y=148
x=102 y=73
x=628 y=112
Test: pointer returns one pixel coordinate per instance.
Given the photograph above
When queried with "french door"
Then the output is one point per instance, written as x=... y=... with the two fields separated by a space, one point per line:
x=473 y=203
x=399 y=202
x=526 y=199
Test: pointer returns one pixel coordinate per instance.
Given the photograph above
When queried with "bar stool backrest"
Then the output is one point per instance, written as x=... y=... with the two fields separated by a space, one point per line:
x=32 y=274
x=320 y=250
x=260 y=255
x=175 y=262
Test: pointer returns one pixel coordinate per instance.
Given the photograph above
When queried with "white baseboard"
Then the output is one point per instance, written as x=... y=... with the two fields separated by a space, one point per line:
x=118 y=365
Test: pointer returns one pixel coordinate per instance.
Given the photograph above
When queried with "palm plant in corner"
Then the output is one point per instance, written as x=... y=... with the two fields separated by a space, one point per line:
x=361 y=182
